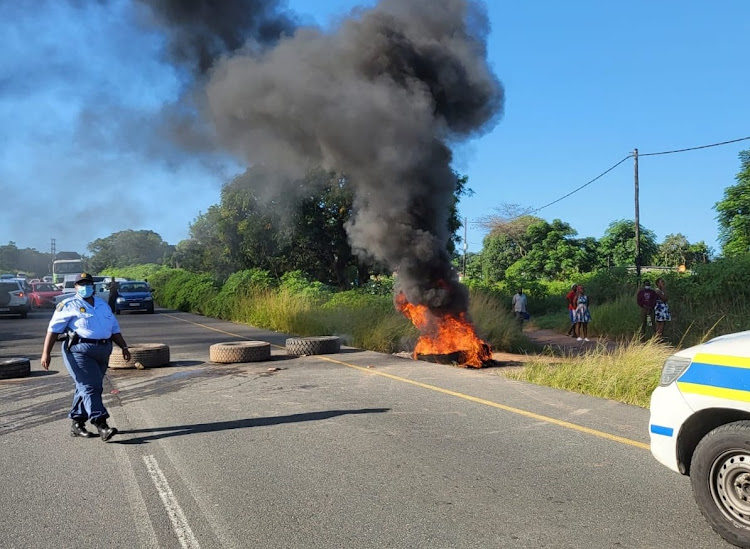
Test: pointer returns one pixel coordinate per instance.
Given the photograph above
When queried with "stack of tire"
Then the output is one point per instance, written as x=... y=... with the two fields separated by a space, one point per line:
x=142 y=355
x=239 y=351
x=14 y=367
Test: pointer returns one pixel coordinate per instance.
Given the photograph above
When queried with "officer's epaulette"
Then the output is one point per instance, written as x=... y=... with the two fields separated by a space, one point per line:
x=64 y=302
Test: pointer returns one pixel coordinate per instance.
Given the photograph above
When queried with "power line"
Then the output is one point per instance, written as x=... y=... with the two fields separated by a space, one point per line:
x=623 y=160
x=696 y=148
x=579 y=188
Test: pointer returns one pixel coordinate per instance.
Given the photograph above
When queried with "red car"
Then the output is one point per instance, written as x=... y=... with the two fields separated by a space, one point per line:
x=43 y=295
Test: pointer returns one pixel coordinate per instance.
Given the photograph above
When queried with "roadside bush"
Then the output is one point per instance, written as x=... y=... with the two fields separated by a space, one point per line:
x=296 y=283
x=136 y=272
x=185 y=291
x=239 y=285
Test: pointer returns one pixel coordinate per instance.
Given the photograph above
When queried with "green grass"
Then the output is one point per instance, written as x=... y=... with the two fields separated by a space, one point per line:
x=627 y=374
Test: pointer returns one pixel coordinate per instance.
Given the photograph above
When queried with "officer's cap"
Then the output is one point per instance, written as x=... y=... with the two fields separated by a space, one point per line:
x=84 y=277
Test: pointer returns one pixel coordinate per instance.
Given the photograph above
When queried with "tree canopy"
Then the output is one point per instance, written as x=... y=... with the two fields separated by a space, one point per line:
x=126 y=248
x=617 y=246
x=733 y=212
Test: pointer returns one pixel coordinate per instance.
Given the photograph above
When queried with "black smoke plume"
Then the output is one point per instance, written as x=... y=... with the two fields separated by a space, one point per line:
x=382 y=98
x=201 y=30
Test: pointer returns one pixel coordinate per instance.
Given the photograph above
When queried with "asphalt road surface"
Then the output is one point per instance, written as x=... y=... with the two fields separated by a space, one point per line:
x=352 y=450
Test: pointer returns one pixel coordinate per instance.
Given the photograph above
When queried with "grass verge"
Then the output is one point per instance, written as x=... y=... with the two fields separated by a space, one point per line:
x=628 y=374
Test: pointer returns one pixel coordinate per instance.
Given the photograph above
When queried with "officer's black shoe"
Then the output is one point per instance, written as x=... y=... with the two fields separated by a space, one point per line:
x=78 y=429
x=105 y=431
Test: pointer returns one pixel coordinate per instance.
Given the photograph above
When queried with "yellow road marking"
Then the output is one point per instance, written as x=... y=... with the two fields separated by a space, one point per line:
x=214 y=329
x=511 y=409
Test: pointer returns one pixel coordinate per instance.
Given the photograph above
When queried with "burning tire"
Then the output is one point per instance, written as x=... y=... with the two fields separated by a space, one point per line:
x=321 y=345
x=239 y=351
x=148 y=355
x=14 y=367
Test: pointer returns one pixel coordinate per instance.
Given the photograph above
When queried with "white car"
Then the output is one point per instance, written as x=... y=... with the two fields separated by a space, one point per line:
x=700 y=426
x=14 y=298
x=101 y=289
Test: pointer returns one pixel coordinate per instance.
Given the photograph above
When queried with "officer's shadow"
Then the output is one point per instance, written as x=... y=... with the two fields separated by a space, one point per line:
x=157 y=433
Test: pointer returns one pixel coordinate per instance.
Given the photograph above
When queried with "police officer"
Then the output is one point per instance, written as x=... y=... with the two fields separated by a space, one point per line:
x=91 y=329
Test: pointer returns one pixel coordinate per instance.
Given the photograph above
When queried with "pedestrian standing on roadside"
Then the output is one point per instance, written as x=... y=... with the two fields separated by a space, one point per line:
x=91 y=329
x=571 y=299
x=646 y=300
x=582 y=314
x=518 y=306
x=661 y=309
x=114 y=293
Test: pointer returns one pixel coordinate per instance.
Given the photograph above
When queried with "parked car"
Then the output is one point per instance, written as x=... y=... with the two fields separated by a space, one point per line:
x=101 y=290
x=43 y=295
x=700 y=426
x=14 y=299
x=134 y=295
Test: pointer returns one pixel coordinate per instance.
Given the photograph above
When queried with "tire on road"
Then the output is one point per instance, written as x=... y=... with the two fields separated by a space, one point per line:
x=14 y=367
x=719 y=471
x=318 y=345
x=239 y=351
x=149 y=355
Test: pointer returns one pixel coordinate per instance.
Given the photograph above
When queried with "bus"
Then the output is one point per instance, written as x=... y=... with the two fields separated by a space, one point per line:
x=62 y=267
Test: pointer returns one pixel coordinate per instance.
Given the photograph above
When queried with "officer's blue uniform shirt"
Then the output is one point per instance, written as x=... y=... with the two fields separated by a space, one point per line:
x=91 y=322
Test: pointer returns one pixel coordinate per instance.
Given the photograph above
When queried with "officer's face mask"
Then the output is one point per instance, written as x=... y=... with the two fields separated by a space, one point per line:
x=85 y=290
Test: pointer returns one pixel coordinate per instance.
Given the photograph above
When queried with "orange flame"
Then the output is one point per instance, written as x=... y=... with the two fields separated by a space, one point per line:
x=445 y=334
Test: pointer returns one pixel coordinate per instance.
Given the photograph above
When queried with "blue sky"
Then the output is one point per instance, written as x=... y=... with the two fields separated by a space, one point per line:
x=586 y=82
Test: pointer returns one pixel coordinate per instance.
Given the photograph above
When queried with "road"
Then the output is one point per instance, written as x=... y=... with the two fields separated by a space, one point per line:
x=353 y=450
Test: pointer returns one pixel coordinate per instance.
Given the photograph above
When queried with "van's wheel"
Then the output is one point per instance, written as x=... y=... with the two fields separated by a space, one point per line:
x=239 y=351
x=148 y=355
x=320 y=345
x=14 y=367
x=720 y=476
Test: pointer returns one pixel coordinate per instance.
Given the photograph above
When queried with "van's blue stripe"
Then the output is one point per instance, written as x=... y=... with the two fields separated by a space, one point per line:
x=659 y=430
x=717 y=376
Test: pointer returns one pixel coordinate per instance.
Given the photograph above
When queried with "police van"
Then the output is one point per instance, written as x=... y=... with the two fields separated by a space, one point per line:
x=700 y=426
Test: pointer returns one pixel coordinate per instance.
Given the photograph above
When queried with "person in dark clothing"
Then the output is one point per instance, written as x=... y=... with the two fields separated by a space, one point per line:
x=646 y=302
x=114 y=286
x=572 y=299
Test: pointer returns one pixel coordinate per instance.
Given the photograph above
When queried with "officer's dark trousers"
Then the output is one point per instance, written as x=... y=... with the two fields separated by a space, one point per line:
x=87 y=363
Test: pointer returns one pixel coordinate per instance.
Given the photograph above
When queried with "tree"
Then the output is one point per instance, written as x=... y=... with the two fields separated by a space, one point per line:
x=126 y=248
x=733 y=212
x=676 y=250
x=506 y=242
x=554 y=253
x=454 y=221
x=617 y=246
x=26 y=260
x=673 y=251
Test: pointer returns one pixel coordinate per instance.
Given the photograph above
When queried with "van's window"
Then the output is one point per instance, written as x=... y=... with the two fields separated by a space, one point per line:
x=69 y=284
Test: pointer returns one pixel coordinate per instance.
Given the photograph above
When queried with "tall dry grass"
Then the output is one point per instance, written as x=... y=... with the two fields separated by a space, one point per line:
x=629 y=373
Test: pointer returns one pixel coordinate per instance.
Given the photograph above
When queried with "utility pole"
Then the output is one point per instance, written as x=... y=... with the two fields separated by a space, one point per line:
x=53 y=251
x=466 y=223
x=637 y=222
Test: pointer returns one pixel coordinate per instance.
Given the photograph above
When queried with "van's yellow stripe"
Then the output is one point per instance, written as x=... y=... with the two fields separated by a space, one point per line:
x=719 y=392
x=723 y=360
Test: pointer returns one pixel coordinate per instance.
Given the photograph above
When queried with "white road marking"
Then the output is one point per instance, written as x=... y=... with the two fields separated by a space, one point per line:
x=177 y=517
x=144 y=529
